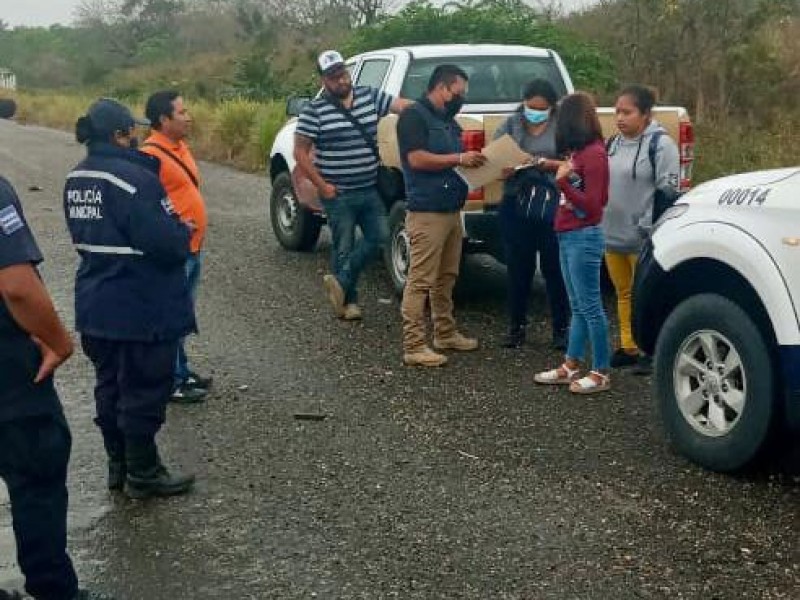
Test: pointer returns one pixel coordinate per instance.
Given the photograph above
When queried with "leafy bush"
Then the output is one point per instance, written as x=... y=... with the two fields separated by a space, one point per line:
x=271 y=118
x=236 y=120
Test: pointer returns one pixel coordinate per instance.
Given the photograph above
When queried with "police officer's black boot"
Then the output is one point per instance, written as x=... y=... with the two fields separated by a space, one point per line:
x=147 y=476
x=115 y=449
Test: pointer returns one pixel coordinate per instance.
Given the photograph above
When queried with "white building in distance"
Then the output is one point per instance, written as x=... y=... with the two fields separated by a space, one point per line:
x=8 y=80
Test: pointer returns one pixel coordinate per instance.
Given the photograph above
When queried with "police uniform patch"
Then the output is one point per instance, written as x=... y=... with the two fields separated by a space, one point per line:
x=166 y=204
x=10 y=221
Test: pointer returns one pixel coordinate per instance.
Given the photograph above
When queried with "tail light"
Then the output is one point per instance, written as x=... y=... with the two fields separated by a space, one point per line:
x=474 y=140
x=686 y=146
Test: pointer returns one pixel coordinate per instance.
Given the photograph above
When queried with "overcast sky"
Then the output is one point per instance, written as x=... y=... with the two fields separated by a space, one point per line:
x=48 y=12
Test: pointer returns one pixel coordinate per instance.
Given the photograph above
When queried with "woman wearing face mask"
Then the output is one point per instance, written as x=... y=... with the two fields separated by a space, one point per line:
x=643 y=161
x=526 y=219
x=583 y=182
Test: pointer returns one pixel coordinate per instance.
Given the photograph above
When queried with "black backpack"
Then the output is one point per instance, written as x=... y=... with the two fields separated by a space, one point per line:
x=536 y=197
x=661 y=200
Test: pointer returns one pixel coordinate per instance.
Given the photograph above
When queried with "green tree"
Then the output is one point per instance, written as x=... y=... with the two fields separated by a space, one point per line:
x=706 y=55
x=487 y=21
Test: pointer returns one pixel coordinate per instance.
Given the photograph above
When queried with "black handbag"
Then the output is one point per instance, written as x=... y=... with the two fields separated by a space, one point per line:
x=390 y=182
x=536 y=197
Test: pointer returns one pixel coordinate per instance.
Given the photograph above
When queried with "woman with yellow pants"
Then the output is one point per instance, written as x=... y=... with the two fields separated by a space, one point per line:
x=643 y=162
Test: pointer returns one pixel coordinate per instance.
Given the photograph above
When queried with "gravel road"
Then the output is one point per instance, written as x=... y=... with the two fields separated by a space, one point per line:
x=464 y=482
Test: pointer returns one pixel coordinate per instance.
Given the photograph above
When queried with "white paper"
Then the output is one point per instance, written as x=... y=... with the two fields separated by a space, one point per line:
x=502 y=153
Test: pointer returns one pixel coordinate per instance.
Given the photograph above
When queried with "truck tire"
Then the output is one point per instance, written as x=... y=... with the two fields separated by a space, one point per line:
x=7 y=108
x=397 y=253
x=296 y=227
x=714 y=383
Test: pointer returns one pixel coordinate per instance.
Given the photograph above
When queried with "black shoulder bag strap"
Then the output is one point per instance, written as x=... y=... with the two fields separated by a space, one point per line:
x=652 y=150
x=180 y=163
x=357 y=124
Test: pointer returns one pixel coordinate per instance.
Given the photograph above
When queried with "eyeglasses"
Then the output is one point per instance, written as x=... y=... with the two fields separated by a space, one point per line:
x=462 y=93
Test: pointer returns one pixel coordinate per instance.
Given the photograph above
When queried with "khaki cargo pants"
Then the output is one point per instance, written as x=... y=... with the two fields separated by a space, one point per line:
x=436 y=240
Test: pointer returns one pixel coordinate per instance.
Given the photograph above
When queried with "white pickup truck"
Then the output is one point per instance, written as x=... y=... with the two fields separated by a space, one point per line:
x=717 y=299
x=497 y=73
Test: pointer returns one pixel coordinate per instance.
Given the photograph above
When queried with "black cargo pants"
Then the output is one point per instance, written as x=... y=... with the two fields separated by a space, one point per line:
x=524 y=241
x=34 y=453
x=134 y=381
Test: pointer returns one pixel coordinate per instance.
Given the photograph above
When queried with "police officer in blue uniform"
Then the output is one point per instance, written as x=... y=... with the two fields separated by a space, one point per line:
x=35 y=441
x=132 y=303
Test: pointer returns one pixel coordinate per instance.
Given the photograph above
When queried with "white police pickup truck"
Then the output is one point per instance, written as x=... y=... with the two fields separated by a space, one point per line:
x=497 y=75
x=717 y=301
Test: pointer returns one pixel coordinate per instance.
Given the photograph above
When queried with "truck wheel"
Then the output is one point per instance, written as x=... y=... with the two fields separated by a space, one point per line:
x=397 y=254
x=714 y=383
x=296 y=227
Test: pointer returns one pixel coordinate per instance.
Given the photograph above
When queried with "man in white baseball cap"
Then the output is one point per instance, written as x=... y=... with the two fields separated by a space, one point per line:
x=330 y=62
x=344 y=169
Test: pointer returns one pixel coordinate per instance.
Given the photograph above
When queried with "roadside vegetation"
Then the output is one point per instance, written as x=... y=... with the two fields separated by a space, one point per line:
x=735 y=64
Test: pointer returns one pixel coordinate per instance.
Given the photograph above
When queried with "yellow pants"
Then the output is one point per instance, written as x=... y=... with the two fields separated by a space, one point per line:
x=621 y=268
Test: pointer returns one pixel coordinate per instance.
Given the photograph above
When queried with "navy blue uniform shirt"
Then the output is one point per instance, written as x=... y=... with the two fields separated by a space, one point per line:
x=131 y=283
x=19 y=357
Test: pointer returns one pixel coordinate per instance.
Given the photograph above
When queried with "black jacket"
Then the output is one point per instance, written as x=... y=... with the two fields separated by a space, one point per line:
x=131 y=283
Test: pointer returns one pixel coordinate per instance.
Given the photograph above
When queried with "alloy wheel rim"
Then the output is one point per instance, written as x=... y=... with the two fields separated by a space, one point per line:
x=400 y=254
x=710 y=383
x=287 y=212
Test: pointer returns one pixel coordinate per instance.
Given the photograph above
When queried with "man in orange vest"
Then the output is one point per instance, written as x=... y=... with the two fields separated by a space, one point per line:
x=171 y=122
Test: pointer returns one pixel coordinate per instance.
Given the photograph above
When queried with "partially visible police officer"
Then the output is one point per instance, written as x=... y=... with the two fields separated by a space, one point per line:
x=35 y=441
x=132 y=303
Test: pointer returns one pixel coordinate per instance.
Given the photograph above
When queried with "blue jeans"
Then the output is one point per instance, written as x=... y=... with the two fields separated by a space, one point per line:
x=581 y=252
x=194 y=266
x=364 y=208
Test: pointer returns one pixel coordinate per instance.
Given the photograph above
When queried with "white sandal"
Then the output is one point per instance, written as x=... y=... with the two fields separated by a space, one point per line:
x=563 y=375
x=589 y=384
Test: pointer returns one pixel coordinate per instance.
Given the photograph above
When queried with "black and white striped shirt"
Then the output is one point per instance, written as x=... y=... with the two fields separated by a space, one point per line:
x=342 y=155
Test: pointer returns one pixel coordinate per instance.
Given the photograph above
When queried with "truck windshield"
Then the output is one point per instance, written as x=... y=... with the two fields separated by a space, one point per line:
x=492 y=79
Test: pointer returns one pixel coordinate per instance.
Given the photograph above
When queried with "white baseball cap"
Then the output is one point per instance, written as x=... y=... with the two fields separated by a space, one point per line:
x=329 y=62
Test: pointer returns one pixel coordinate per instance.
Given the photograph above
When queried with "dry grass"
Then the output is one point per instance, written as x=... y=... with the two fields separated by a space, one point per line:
x=728 y=146
x=235 y=132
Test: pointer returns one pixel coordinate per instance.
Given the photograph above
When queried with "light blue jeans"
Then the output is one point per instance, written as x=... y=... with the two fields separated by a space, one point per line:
x=363 y=208
x=581 y=252
x=194 y=266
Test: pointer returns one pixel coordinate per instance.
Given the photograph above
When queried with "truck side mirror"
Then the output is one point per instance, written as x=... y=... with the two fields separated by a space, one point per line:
x=296 y=104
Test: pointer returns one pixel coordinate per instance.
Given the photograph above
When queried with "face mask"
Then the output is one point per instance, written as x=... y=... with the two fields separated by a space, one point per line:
x=452 y=106
x=536 y=117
